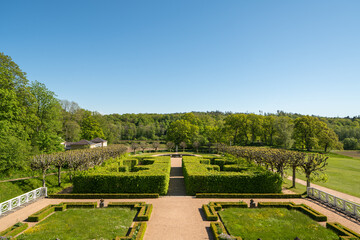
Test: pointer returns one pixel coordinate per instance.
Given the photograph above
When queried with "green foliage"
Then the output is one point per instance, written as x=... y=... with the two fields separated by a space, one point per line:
x=104 y=195
x=245 y=195
x=198 y=179
x=182 y=131
x=46 y=137
x=144 y=178
x=14 y=230
x=90 y=128
x=9 y=190
x=342 y=231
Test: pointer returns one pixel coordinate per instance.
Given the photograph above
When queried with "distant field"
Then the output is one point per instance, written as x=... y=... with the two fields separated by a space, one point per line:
x=350 y=153
x=343 y=174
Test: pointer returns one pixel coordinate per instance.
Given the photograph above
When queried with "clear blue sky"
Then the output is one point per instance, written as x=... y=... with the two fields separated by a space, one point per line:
x=141 y=56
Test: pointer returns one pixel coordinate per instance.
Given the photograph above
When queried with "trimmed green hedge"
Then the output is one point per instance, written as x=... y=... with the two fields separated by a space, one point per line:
x=144 y=212
x=211 y=209
x=46 y=211
x=14 y=230
x=343 y=232
x=126 y=204
x=247 y=195
x=152 y=175
x=105 y=196
x=300 y=207
x=220 y=232
x=39 y=215
x=137 y=232
x=210 y=212
x=80 y=204
x=200 y=178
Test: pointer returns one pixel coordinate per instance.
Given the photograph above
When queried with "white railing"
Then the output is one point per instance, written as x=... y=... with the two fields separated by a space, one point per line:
x=22 y=199
x=347 y=207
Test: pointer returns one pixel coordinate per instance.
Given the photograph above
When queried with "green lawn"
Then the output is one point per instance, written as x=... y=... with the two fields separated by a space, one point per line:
x=273 y=223
x=10 y=190
x=76 y=223
x=343 y=174
x=299 y=188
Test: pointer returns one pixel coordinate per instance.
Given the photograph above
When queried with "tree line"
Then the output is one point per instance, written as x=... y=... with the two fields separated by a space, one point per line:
x=33 y=121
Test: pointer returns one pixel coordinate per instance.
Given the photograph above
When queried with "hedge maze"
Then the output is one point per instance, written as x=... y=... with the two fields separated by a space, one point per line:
x=131 y=175
x=222 y=175
x=220 y=230
x=137 y=231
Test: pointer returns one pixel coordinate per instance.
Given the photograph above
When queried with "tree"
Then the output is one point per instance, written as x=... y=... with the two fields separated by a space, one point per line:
x=284 y=128
x=313 y=165
x=328 y=139
x=170 y=145
x=90 y=128
x=143 y=146
x=59 y=161
x=42 y=162
x=183 y=145
x=295 y=161
x=255 y=126
x=47 y=134
x=17 y=118
x=268 y=129
x=134 y=146
x=182 y=131
x=155 y=145
x=306 y=129
x=238 y=124
x=196 y=145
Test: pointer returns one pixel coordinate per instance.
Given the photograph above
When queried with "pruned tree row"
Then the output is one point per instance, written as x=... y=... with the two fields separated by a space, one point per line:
x=75 y=160
x=279 y=160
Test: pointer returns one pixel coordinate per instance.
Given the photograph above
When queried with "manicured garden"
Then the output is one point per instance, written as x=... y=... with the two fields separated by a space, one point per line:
x=129 y=175
x=228 y=175
x=273 y=223
x=271 y=220
x=76 y=223
x=83 y=220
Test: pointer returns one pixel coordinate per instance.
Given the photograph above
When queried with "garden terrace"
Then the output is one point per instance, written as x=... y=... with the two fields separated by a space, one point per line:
x=130 y=175
x=71 y=221
x=223 y=175
x=272 y=220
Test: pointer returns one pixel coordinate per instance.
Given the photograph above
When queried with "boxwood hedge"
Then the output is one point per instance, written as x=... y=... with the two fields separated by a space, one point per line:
x=140 y=175
x=201 y=177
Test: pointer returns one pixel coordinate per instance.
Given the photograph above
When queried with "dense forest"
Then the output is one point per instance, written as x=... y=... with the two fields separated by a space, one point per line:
x=33 y=121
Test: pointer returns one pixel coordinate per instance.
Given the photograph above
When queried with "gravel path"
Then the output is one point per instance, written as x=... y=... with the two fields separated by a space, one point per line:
x=331 y=191
x=176 y=216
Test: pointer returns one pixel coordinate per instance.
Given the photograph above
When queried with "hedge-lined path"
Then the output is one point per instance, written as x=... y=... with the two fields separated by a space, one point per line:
x=176 y=216
x=177 y=183
x=331 y=191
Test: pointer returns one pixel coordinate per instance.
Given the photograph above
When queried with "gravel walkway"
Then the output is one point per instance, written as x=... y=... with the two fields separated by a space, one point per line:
x=176 y=216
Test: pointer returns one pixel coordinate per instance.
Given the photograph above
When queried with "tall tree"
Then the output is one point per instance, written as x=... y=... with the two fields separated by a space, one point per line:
x=17 y=118
x=90 y=128
x=284 y=128
x=306 y=129
x=182 y=131
x=47 y=134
